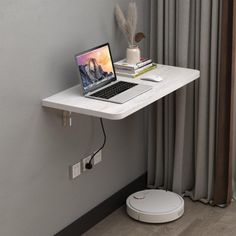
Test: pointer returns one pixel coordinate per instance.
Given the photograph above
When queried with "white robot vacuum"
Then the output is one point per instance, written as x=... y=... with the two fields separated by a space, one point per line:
x=155 y=206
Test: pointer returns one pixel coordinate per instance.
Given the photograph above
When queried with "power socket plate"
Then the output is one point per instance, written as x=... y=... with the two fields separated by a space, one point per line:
x=84 y=162
x=98 y=158
x=75 y=170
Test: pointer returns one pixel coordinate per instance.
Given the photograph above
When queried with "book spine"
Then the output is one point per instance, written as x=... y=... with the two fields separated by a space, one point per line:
x=133 y=67
x=125 y=70
x=141 y=64
x=146 y=70
x=143 y=68
x=125 y=67
x=137 y=74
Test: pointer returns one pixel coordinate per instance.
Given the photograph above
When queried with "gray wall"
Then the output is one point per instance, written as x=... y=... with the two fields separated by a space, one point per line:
x=38 y=40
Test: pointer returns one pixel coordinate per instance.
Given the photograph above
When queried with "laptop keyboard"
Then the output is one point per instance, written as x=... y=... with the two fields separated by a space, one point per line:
x=113 y=90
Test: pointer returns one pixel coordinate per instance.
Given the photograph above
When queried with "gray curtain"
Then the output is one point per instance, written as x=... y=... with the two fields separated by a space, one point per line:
x=233 y=105
x=233 y=130
x=181 y=128
x=233 y=135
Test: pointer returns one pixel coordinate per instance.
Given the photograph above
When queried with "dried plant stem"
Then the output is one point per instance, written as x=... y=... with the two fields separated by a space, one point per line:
x=128 y=26
x=132 y=20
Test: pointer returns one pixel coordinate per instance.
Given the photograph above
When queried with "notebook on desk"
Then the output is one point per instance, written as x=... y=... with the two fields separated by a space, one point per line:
x=98 y=78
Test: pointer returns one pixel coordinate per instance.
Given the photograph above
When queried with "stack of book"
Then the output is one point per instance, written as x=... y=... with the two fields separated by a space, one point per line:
x=122 y=68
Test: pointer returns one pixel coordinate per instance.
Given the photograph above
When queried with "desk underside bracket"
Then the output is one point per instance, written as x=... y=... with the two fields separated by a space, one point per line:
x=66 y=119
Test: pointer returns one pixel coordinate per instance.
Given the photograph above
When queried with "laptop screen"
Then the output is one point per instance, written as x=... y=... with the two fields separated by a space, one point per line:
x=95 y=67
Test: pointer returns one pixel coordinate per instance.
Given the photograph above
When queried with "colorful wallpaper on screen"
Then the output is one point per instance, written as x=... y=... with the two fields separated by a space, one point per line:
x=102 y=56
x=95 y=67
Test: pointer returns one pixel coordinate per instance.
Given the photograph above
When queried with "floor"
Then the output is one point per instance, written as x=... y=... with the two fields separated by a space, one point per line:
x=198 y=219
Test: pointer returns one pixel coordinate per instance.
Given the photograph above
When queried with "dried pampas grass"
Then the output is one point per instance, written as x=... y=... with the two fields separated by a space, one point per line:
x=128 y=26
x=132 y=18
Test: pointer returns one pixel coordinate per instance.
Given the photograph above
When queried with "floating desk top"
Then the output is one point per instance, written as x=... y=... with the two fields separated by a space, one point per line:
x=72 y=99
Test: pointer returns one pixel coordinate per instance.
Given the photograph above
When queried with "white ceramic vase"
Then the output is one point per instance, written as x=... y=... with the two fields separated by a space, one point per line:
x=133 y=54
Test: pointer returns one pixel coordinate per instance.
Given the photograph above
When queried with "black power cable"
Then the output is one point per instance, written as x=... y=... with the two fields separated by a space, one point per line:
x=89 y=165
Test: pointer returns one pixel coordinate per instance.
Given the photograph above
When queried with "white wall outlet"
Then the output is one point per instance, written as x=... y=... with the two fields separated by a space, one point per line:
x=75 y=170
x=84 y=162
x=97 y=158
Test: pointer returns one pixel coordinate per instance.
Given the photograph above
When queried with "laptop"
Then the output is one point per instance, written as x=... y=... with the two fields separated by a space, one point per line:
x=98 y=78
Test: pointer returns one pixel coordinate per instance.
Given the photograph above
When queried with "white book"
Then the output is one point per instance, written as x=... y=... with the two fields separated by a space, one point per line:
x=154 y=66
x=122 y=64
x=136 y=71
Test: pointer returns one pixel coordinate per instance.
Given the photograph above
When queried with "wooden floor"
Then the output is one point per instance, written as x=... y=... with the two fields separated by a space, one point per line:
x=198 y=219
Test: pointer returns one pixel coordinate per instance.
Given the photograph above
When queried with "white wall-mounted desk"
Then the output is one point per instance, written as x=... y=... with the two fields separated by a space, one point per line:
x=72 y=99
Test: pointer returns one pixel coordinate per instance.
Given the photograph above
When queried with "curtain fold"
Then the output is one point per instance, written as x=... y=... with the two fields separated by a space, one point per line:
x=182 y=126
x=233 y=105
x=223 y=167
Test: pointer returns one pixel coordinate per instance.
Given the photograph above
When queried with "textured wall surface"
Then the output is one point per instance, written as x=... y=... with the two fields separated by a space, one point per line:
x=37 y=44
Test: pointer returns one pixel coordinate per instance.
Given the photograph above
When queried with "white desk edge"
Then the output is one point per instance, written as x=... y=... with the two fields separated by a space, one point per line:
x=72 y=99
